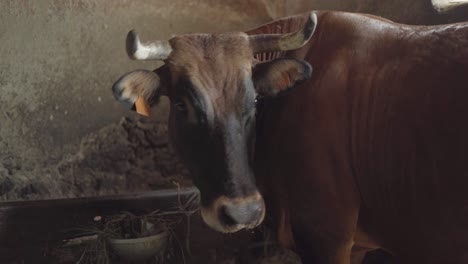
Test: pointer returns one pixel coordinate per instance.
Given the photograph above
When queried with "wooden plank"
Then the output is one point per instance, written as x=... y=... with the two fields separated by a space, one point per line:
x=28 y=226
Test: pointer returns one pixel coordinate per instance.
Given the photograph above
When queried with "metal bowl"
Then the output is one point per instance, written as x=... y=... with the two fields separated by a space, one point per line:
x=139 y=249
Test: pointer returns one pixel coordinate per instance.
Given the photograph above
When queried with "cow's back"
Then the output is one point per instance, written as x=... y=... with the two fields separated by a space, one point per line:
x=410 y=144
x=382 y=121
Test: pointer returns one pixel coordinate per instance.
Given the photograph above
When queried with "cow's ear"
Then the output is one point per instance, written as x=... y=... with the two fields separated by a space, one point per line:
x=139 y=90
x=276 y=76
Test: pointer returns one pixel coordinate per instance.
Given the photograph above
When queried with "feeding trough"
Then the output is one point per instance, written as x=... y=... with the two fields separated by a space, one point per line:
x=149 y=242
x=139 y=249
x=31 y=231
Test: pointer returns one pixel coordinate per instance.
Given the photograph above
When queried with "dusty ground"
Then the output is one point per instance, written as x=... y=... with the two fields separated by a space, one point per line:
x=206 y=247
x=128 y=156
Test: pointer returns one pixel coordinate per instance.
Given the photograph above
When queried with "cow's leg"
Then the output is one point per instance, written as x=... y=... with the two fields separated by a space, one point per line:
x=358 y=254
x=363 y=243
x=324 y=218
x=314 y=250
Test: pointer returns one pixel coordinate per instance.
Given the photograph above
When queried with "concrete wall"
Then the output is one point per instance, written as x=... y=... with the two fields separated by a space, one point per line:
x=59 y=59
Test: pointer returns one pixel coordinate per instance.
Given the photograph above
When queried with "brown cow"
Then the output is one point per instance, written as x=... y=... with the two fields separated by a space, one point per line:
x=371 y=152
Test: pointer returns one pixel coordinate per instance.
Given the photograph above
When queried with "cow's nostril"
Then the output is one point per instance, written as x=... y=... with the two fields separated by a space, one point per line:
x=225 y=216
x=242 y=213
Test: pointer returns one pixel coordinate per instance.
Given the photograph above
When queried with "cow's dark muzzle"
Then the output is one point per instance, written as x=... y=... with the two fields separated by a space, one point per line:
x=247 y=213
x=233 y=214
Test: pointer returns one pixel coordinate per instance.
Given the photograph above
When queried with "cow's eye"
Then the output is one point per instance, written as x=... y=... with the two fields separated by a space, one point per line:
x=258 y=102
x=181 y=106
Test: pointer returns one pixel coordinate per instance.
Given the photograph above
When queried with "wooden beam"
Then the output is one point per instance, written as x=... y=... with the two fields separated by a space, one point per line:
x=28 y=226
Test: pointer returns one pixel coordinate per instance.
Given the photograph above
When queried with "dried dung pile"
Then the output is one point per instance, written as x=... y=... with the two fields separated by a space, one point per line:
x=129 y=156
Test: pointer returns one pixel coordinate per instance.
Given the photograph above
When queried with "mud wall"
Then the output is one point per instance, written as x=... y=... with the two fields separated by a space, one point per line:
x=59 y=59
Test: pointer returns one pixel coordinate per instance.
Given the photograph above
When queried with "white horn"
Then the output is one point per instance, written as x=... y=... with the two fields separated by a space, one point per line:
x=157 y=50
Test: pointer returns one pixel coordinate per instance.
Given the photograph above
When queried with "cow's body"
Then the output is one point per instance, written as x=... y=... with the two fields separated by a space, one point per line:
x=373 y=150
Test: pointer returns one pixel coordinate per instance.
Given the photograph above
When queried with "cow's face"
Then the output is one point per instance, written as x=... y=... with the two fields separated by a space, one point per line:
x=212 y=82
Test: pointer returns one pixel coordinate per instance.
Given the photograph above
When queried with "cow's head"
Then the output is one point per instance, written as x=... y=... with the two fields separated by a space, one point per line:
x=212 y=82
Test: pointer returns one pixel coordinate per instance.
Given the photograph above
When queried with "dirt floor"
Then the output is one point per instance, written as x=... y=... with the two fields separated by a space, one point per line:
x=199 y=245
x=130 y=156
x=125 y=157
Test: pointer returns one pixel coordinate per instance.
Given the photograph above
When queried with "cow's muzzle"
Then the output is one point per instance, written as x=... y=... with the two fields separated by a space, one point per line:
x=230 y=215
